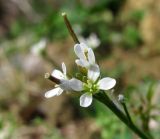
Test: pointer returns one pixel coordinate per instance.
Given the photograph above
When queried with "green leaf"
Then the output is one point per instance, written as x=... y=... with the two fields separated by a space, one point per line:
x=150 y=92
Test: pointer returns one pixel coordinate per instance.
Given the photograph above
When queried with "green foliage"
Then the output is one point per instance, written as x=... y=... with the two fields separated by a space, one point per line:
x=150 y=91
x=16 y=29
x=131 y=37
x=137 y=15
x=111 y=126
x=145 y=104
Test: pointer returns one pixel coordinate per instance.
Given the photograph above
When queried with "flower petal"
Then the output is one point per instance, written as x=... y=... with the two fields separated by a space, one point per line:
x=54 y=92
x=65 y=85
x=83 y=46
x=76 y=84
x=86 y=100
x=106 y=83
x=64 y=68
x=93 y=72
x=82 y=63
x=58 y=74
x=91 y=57
x=79 y=51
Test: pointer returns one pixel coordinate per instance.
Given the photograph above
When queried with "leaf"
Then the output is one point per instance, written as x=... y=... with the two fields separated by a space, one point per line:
x=150 y=92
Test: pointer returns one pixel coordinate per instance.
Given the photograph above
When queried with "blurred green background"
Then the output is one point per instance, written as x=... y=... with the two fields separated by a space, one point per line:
x=125 y=37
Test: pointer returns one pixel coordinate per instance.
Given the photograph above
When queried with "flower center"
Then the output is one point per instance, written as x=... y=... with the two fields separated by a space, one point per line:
x=86 y=54
x=90 y=87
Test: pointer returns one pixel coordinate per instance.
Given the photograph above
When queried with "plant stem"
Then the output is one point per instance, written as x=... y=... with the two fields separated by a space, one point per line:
x=103 y=98
x=69 y=27
x=126 y=111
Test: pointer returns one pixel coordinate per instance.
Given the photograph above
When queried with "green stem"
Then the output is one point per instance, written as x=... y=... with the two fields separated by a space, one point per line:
x=127 y=113
x=69 y=27
x=103 y=98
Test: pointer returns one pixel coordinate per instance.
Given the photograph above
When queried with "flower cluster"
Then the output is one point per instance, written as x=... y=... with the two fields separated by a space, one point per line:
x=88 y=79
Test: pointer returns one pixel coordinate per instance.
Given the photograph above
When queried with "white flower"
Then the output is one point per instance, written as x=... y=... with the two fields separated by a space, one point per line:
x=92 y=41
x=92 y=85
x=64 y=82
x=39 y=47
x=85 y=54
